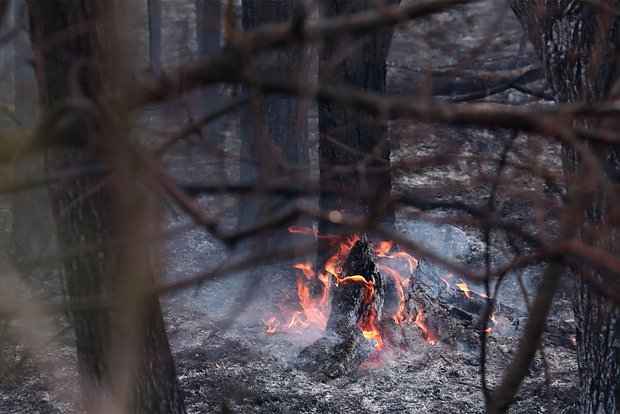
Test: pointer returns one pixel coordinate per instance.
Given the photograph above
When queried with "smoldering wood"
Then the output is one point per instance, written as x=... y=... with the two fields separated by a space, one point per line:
x=343 y=347
x=458 y=319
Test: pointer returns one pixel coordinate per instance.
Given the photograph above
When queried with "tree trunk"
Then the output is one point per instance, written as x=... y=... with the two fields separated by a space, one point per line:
x=208 y=37
x=349 y=138
x=89 y=225
x=274 y=141
x=576 y=42
x=154 y=12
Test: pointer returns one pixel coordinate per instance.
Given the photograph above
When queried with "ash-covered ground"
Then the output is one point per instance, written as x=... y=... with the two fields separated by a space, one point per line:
x=228 y=363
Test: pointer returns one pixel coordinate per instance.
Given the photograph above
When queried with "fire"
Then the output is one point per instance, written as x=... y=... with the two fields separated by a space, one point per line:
x=463 y=286
x=313 y=289
x=369 y=329
x=427 y=333
x=272 y=323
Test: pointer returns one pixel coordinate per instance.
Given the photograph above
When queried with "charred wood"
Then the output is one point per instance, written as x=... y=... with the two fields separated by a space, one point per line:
x=343 y=347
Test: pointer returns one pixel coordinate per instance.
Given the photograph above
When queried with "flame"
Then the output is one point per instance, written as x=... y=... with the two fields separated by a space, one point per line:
x=369 y=329
x=369 y=285
x=427 y=333
x=463 y=286
x=306 y=268
x=399 y=317
x=272 y=323
x=444 y=280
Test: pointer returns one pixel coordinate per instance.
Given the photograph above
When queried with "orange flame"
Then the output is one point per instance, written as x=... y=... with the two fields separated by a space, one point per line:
x=272 y=323
x=369 y=329
x=463 y=286
x=427 y=333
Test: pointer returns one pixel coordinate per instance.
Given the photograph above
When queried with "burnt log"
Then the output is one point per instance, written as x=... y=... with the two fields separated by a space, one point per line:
x=456 y=316
x=356 y=304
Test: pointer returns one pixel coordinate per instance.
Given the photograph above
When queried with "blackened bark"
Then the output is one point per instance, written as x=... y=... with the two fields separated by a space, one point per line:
x=343 y=347
x=354 y=150
x=577 y=45
x=154 y=12
x=274 y=141
x=69 y=63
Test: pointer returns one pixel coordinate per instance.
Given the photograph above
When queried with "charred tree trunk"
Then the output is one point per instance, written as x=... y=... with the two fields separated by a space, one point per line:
x=273 y=132
x=351 y=139
x=87 y=226
x=354 y=303
x=577 y=45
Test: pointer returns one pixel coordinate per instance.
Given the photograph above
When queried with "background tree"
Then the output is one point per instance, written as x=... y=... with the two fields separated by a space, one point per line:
x=354 y=140
x=576 y=42
x=154 y=13
x=273 y=133
x=94 y=218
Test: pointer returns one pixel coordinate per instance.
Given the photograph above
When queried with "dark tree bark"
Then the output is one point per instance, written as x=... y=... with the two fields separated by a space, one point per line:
x=274 y=141
x=154 y=12
x=72 y=63
x=351 y=139
x=208 y=36
x=577 y=44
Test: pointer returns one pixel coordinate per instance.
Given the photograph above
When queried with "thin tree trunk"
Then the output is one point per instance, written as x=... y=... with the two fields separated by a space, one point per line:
x=350 y=138
x=154 y=12
x=576 y=42
x=89 y=225
x=208 y=37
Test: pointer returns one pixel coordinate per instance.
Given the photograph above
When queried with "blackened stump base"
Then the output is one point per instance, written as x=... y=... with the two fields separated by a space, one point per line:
x=344 y=347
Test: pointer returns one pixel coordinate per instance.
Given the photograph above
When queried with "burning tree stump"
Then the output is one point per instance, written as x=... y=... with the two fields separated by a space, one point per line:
x=356 y=306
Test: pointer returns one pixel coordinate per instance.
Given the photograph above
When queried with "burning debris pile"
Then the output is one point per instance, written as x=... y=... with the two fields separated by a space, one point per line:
x=370 y=297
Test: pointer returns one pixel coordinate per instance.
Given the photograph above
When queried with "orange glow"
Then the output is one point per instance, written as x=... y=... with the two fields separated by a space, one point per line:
x=400 y=288
x=427 y=333
x=445 y=280
x=369 y=285
x=272 y=323
x=463 y=286
x=306 y=268
x=369 y=329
